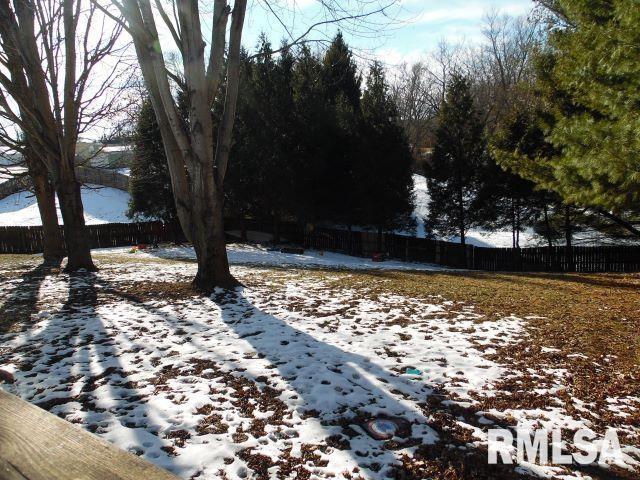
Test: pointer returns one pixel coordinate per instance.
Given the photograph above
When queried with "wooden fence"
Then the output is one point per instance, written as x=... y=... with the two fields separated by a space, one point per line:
x=542 y=259
x=29 y=239
x=363 y=244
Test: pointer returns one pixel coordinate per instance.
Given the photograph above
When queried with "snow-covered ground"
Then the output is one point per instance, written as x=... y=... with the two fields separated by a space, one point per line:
x=240 y=254
x=475 y=236
x=101 y=205
x=7 y=173
x=274 y=378
x=500 y=239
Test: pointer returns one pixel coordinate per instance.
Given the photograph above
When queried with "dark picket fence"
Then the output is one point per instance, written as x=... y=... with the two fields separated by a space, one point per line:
x=363 y=244
x=541 y=259
x=29 y=239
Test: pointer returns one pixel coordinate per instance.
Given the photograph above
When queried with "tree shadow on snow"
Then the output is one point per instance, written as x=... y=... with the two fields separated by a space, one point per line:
x=75 y=360
x=72 y=367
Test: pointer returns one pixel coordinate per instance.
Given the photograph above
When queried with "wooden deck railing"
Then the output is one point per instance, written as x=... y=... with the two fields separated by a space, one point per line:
x=36 y=445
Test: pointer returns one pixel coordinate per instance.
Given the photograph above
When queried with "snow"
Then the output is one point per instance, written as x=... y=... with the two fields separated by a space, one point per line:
x=7 y=173
x=279 y=366
x=500 y=239
x=243 y=254
x=101 y=205
x=116 y=148
x=475 y=236
x=322 y=351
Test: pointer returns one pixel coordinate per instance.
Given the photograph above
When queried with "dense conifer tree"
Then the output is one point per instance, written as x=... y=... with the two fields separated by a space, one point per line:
x=591 y=75
x=150 y=183
x=458 y=159
x=383 y=170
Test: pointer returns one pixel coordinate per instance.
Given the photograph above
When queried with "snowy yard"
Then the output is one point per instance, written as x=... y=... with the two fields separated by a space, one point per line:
x=278 y=379
x=101 y=205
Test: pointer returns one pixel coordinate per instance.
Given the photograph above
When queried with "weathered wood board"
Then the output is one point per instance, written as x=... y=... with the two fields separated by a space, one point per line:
x=36 y=445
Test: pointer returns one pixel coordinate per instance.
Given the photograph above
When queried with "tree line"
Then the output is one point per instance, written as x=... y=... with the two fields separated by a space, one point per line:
x=529 y=128
x=51 y=91
x=315 y=142
x=547 y=109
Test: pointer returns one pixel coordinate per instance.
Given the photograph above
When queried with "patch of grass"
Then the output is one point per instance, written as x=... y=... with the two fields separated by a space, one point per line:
x=593 y=314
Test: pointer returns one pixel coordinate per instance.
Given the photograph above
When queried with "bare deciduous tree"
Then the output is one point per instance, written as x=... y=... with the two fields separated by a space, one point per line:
x=53 y=87
x=504 y=61
x=197 y=157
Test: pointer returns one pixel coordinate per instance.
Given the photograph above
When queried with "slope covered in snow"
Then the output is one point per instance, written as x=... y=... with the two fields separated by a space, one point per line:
x=476 y=236
x=101 y=205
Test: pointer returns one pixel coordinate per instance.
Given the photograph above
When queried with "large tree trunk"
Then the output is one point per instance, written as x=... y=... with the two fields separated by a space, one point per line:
x=53 y=248
x=52 y=239
x=75 y=232
x=209 y=242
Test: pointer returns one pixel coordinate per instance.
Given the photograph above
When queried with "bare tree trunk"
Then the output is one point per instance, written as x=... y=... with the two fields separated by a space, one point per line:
x=52 y=239
x=461 y=222
x=568 y=237
x=75 y=232
x=513 y=224
x=568 y=230
x=211 y=252
x=518 y=226
x=547 y=226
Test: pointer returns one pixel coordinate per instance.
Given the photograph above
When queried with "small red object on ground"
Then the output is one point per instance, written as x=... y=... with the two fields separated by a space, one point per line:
x=377 y=257
x=142 y=246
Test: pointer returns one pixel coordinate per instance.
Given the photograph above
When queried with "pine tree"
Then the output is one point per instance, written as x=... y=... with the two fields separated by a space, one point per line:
x=341 y=86
x=591 y=76
x=312 y=121
x=260 y=179
x=458 y=158
x=383 y=169
x=240 y=182
x=525 y=156
x=340 y=74
x=150 y=183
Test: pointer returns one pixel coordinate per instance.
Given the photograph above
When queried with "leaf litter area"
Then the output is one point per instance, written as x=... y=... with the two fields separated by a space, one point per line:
x=279 y=378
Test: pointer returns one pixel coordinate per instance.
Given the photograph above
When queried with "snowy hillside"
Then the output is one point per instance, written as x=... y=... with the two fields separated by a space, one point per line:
x=477 y=237
x=101 y=205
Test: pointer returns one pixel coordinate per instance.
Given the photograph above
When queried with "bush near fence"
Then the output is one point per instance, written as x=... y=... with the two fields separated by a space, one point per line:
x=363 y=244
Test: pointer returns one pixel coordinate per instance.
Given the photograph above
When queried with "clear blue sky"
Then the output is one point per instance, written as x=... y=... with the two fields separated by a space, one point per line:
x=420 y=24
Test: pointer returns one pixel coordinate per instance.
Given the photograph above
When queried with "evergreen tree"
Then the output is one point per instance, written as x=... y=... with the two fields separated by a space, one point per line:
x=458 y=158
x=261 y=180
x=592 y=79
x=240 y=182
x=506 y=198
x=312 y=127
x=340 y=74
x=341 y=85
x=149 y=182
x=520 y=148
x=384 y=180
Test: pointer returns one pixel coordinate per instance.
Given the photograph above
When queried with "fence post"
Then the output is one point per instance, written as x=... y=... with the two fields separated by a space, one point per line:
x=470 y=257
